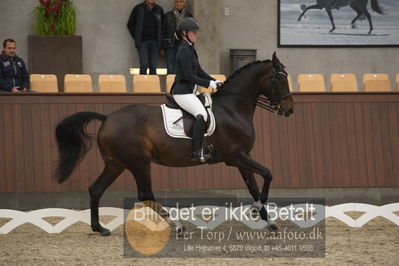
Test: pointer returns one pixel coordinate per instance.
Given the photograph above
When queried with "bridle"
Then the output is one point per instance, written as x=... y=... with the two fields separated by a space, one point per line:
x=275 y=74
x=272 y=103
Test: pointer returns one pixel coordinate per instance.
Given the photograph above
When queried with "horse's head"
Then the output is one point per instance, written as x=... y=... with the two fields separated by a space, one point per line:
x=274 y=86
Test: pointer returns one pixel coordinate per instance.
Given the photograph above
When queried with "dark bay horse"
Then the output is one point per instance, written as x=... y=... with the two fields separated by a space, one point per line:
x=134 y=136
x=360 y=6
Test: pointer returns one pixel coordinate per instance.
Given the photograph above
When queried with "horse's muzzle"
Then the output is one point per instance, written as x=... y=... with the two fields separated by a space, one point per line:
x=286 y=113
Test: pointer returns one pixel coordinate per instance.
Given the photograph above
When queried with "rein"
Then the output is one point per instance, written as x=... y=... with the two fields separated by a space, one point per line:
x=273 y=104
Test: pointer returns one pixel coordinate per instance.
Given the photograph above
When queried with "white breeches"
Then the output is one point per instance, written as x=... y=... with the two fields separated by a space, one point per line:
x=191 y=104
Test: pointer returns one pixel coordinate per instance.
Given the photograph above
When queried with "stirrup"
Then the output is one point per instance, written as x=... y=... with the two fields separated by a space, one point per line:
x=200 y=156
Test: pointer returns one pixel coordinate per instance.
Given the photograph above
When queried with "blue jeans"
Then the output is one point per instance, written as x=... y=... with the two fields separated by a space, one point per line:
x=148 y=54
x=170 y=56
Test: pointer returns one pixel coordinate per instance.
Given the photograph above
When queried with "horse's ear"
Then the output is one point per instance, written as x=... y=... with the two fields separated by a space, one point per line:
x=276 y=62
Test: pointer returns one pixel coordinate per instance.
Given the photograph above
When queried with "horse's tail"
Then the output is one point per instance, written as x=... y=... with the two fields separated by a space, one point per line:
x=73 y=142
x=376 y=7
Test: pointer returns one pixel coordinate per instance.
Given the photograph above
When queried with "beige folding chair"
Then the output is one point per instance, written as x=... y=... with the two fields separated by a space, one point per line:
x=160 y=71
x=220 y=77
x=290 y=83
x=43 y=83
x=112 y=83
x=78 y=83
x=343 y=82
x=376 y=82
x=146 y=83
x=169 y=82
x=311 y=83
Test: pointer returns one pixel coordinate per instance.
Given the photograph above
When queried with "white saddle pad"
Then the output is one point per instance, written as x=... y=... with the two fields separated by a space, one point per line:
x=176 y=129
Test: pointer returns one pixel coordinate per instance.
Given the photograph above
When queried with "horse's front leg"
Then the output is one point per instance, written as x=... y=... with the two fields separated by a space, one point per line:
x=306 y=9
x=253 y=188
x=250 y=181
x=247 y=167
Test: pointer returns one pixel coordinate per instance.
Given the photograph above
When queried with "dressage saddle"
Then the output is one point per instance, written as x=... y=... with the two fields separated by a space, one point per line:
x=188 y=119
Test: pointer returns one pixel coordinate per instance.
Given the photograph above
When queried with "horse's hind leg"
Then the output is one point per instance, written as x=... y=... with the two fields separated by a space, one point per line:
x=111 y=171
x=142 y=174
x=368 y=16
x=309 y=7
x=329 y=13
x=359 y=13
x=362 y=11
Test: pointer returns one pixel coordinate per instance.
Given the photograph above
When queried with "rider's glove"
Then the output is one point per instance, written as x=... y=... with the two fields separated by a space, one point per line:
x=219 y=83
x=213 y=84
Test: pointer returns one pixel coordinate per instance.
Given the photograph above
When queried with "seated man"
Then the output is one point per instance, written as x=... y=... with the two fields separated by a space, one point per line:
x=13 y=74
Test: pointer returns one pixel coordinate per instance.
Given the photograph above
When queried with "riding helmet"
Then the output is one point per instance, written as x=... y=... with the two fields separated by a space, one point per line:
x=188 y=24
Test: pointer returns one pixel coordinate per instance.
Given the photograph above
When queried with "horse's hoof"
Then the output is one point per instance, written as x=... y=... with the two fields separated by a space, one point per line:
x=105 y=232
x=303 y=7
x=273 y=228
x=332 y=30
x=255 y=213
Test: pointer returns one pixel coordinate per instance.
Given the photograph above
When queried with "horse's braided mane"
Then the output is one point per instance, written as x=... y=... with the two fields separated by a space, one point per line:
x=246 y=67
x=238 y=71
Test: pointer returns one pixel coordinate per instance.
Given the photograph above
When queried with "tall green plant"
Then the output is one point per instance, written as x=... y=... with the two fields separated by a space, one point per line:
x=55 y=17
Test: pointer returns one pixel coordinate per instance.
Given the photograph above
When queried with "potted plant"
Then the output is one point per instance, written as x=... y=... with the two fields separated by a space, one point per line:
x=55 y=49
x=55 y=17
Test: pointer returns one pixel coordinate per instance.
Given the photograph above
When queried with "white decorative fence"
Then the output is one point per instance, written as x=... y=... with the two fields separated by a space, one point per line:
x=71 y=217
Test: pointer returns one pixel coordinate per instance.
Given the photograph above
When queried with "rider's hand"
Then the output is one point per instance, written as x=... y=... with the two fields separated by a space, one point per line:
x=219 y=83
x=213 y=84
x=15 y=89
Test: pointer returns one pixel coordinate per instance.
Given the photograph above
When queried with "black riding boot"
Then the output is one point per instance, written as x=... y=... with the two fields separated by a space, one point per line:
x=198 y=154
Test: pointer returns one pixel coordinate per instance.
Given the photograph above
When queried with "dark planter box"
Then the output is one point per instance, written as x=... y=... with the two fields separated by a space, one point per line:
x=57 y=55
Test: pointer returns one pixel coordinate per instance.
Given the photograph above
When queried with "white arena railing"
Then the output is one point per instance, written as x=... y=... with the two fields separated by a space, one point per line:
x=70 y=217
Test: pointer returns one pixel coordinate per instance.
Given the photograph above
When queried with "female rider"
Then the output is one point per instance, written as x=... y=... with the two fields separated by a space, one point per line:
x=189 y=75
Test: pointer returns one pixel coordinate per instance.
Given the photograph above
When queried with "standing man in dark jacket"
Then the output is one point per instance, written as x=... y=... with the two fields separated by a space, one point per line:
x=13 y=74
x=170 y=22
x=145 y=26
